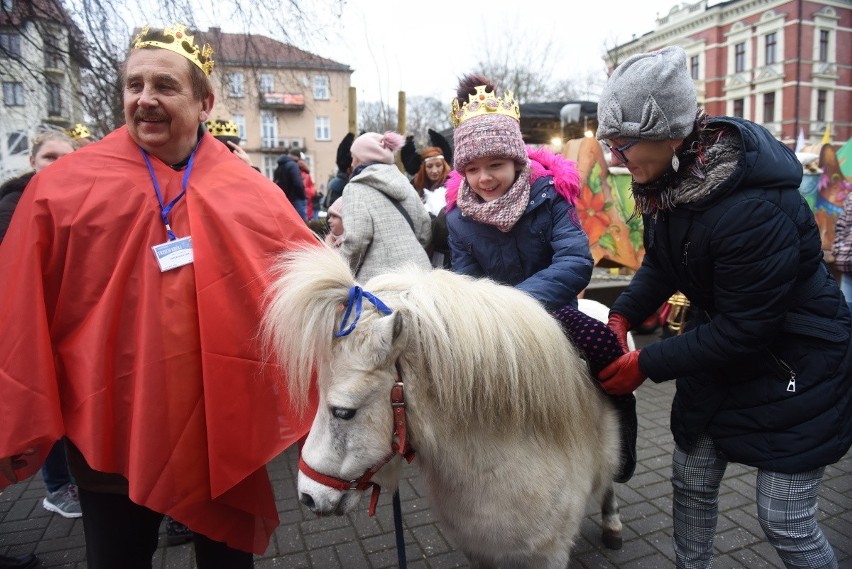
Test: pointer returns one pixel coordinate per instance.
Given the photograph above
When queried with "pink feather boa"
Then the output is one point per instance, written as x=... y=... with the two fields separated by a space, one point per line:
x=543 y=162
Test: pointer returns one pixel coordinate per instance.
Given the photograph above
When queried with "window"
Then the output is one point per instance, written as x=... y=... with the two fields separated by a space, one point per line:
x=823 y=46
x=693 y=67
x=240 y=121
x=321 y=91
x=13 y=94
x=267 y=83
x=739 y=108
x=768 y=108
x=236 y=85
x=822 y=102
x=52 y=56
x=771 y=45
x=10 y=44
x=270 y=162
x=322 y=128
x=268 y=129
x=17 y=142
x=54 y=100
x=739 y=57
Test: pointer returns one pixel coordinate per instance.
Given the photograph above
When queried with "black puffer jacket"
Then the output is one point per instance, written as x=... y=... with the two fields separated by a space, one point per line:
x=289 y=178
x=10 y=193
x=765 y=368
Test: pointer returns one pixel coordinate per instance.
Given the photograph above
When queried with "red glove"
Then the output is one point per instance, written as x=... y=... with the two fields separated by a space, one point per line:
x=623 y=375
x=619 y=324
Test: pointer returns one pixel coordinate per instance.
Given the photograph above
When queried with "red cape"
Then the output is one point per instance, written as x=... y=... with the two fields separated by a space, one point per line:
x=155 y=376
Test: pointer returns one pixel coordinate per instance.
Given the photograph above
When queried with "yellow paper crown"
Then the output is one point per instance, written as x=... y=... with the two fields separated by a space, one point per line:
x=219 y=127
x=176 y=39
x=485 y=102
x=79 y=131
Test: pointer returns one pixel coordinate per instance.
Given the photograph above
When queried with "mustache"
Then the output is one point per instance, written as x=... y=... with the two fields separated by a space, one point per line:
x=149 y=115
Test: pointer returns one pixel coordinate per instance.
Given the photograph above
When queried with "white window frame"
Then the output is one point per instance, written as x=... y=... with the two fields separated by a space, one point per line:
x=268 y=129
x=13 y=44
x=16 y=90
x=267 y=83
x=236 y=85
x=322 y=90
x=322 y=128
x=270 y=162
x=240 y=121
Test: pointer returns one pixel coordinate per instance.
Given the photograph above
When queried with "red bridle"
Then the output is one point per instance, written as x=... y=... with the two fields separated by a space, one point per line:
x=402 y=447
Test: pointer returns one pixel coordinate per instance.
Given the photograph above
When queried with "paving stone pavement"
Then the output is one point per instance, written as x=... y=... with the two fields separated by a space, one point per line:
x=356 y=541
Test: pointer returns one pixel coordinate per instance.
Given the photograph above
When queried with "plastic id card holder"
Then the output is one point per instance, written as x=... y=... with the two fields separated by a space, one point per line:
x=173 y=254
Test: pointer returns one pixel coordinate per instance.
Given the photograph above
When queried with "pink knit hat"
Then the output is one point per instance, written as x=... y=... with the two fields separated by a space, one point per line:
x=375 y=147
x=491 y=136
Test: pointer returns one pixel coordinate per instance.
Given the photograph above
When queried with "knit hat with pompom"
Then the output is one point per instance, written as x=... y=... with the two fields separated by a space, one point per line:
x=375 y=147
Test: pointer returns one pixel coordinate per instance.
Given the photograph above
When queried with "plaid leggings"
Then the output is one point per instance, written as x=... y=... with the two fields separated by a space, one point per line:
x=786 y=509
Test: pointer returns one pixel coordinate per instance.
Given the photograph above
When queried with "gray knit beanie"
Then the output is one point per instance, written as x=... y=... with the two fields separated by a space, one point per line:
x=650 y=96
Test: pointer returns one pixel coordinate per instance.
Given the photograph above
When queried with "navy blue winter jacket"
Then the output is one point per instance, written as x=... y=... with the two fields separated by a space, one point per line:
x=766 y=367
x=545 y=254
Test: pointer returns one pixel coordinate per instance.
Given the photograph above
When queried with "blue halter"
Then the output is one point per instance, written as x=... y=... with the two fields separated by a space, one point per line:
x=356 y=296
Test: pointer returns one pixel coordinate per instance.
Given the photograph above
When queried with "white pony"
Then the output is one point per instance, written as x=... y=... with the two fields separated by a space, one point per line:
x=511 y=435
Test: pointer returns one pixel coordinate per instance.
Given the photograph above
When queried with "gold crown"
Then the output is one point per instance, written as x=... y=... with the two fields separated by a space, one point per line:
x=177 y=40
x=79 y=131
x=485 y=102
x=219 y=127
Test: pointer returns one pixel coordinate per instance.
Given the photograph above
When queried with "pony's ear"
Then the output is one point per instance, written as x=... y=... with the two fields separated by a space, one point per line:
x=387 y=330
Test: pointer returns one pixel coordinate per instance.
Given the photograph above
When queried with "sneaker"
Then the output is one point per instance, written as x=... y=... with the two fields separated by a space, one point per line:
x=176 y=532
x=64 y=502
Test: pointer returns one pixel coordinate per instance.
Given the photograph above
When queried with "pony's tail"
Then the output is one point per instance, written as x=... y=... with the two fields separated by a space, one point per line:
x=298 y=322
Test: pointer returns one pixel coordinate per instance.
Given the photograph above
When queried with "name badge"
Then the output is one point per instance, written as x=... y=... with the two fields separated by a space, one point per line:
x=173 y=254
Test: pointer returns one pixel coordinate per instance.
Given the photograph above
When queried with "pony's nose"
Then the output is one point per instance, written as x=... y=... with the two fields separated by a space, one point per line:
x=306 y=499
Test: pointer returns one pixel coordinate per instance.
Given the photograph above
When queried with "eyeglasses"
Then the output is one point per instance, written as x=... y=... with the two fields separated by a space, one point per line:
x=620 y=150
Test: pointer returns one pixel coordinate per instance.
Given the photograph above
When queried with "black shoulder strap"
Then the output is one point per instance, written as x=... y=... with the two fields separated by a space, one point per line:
x=401 y=209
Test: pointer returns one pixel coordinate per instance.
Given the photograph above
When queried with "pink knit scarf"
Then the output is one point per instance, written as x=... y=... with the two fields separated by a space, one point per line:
x=505 y=211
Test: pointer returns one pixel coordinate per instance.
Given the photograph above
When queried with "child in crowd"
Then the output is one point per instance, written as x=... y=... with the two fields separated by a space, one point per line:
x=511 y=217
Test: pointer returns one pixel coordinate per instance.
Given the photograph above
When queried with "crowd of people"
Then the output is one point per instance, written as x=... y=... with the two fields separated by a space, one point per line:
x=121 y=260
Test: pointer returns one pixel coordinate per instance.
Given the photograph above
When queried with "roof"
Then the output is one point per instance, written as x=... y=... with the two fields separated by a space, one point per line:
x=257 y=50
x=23 y=11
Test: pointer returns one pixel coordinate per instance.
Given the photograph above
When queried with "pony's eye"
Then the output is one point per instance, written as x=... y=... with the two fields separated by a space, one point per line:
x=343 y=413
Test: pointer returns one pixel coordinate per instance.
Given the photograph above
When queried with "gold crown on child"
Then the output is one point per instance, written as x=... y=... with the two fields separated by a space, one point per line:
x=79 y=131
x=219 y=127
x=175 y=38
x=485 y=102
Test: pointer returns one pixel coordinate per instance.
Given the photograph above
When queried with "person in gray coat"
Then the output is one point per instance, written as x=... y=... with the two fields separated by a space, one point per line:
x=764 y=369
x=386 y=224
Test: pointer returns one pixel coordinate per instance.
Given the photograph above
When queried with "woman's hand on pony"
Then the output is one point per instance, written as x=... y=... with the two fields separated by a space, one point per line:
x=623 y=375
x=619 y=324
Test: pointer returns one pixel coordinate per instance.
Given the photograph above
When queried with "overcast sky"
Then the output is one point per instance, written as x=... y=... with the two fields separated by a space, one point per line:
x=423 y=47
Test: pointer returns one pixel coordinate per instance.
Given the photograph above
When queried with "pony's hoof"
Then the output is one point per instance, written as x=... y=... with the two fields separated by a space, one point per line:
x=612 y=540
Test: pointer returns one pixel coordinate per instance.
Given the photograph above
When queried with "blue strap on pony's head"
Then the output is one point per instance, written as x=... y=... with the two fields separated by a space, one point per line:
x=356 y=296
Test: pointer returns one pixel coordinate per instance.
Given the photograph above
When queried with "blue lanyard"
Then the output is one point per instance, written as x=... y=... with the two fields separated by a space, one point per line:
x=166 y=209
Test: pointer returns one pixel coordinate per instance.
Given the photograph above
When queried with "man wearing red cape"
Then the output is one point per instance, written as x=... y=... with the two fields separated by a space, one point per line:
x=132 y=281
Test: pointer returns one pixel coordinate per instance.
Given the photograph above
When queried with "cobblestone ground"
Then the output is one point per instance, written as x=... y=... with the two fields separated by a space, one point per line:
x=357 y=541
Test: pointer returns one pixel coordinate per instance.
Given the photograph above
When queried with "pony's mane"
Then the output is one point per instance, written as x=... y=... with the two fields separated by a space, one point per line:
x=486 y=354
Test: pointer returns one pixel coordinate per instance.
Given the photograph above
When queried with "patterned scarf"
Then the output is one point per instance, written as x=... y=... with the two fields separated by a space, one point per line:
x=504 y=212
x=688 y=183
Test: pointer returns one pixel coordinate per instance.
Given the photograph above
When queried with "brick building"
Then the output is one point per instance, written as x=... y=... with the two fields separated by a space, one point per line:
x=784 y=64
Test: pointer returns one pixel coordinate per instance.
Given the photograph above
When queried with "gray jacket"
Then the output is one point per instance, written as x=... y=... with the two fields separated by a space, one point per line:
x=378 y=238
